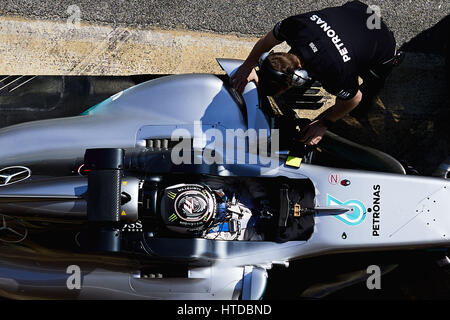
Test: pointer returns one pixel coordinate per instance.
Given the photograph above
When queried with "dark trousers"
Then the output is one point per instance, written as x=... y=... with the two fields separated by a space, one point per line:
x=374 y=80
x=375 y=77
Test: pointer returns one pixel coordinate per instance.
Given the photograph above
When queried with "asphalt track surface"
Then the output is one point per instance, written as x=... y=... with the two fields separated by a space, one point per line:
x=406 y=18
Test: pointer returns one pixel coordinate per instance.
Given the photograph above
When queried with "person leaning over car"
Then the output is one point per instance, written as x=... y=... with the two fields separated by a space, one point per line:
x=335 y=46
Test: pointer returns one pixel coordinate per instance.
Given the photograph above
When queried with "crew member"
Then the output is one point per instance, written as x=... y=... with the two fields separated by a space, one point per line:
x=334 y=46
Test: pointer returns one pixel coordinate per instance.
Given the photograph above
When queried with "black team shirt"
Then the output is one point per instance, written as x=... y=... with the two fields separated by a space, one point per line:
x=336 y=45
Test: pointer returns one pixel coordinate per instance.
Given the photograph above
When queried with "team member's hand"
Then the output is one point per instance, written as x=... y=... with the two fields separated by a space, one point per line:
x=242 y=77
x=313 y=133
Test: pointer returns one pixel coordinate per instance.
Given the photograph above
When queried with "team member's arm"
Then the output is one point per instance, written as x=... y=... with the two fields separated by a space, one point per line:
x=341 y=108
x=246 y=71
x=313 y=133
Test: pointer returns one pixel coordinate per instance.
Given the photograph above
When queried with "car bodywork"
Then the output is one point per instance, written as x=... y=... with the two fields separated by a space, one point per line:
x=351 y=210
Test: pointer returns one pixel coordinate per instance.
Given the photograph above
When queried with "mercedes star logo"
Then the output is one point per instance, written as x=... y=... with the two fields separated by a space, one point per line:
x=12 y=229
x=14 y=174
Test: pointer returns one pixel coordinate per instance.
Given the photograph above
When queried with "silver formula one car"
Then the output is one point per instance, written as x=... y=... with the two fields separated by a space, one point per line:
x=138 y=198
